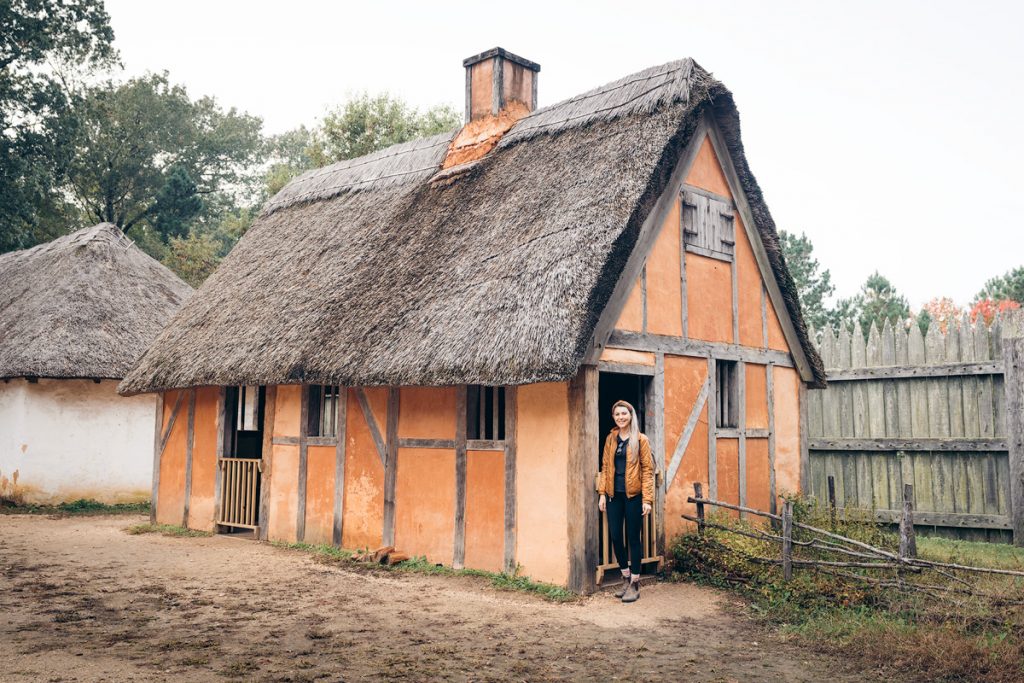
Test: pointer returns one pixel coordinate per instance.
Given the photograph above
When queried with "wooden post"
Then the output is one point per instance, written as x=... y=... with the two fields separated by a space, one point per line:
x=787 y=540
x=459 y=546
x=832 y=501
x=908 y=544
x=700 y=507
x=584 y=444
x=1013 y=383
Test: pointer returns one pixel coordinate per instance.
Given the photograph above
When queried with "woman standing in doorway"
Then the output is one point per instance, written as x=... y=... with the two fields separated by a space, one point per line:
x=626 y=486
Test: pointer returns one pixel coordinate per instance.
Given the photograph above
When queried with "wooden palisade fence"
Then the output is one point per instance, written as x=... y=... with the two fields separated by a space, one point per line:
x=939 y=411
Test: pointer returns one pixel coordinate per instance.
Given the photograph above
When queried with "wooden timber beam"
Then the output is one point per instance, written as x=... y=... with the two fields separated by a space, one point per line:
x=903 y=372
x=913 y=444
x=694 y=348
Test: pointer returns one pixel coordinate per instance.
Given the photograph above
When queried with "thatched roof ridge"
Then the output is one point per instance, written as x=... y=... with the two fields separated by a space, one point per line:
x=406 y=163
x=85 y=305
x=492 y=274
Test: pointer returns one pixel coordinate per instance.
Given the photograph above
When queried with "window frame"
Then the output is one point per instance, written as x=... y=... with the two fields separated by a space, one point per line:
x=485 y=413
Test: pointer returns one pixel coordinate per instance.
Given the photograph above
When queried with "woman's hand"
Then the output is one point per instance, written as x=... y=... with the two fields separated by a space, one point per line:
x=601 y=503
x=647 y=509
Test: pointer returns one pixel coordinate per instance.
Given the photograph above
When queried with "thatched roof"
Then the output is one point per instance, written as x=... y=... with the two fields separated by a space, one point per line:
x=382 y=271
x=85 y=305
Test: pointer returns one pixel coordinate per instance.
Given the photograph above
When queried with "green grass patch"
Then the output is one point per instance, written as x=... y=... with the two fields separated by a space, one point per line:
x=420 y=565
x=979 y=554
x=166 y=530
x=941 y=634
x=80 y=507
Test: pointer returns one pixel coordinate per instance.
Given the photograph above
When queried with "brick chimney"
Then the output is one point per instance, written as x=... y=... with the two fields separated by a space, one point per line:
x=501 y=88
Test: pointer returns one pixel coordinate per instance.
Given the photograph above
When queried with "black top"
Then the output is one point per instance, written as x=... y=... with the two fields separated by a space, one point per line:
x=620 y=465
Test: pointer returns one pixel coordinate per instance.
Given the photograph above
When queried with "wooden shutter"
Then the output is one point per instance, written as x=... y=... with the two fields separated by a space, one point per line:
x=709 y=226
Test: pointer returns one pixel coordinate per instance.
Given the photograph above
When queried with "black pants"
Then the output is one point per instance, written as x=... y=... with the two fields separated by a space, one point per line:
x=631 y=509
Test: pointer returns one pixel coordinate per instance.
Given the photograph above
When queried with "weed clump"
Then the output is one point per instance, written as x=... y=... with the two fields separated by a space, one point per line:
x=924 y=624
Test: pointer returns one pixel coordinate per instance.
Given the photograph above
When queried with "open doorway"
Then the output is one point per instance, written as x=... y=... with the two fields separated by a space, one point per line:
x=240 y=465
x=635 y=389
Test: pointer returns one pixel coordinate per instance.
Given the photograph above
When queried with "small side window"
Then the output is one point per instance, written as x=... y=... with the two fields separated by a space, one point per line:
x=485 y=413
x=708 y=226
x=728 y=393
x=323 y=410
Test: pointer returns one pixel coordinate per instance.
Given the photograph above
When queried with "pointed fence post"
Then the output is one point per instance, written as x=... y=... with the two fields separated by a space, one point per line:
x=697 y=490
x=908 y=543
x=787 y=540
x=1013 y=383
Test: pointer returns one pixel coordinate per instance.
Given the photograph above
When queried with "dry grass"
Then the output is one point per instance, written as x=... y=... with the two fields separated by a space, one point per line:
x=969 y=627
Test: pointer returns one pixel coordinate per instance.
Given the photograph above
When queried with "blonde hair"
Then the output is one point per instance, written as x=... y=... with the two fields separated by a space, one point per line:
x=634 y=428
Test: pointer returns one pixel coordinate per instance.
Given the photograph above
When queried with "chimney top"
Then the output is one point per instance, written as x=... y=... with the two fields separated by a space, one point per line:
x=497 y=79
x=501 y=52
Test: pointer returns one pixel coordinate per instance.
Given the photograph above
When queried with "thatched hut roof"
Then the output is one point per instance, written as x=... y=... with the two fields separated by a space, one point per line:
x=85 y=305
x=382 y=271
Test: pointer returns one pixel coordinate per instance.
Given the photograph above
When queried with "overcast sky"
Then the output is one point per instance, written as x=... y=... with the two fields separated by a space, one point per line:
x=889 y=132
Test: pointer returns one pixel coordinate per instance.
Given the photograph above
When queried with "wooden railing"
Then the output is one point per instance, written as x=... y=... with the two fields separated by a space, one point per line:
x=648 y=544
x=239 y=492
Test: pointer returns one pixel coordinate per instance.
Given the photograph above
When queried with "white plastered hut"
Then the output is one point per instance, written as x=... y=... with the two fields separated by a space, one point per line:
x=75 y=315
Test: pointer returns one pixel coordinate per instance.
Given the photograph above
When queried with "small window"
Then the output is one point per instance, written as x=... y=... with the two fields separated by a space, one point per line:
x=323 y=410
x=708 y=226
x=728 y=393
x=485 y=412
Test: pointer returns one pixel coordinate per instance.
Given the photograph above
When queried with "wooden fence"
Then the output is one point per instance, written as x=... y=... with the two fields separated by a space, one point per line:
x=940 y=411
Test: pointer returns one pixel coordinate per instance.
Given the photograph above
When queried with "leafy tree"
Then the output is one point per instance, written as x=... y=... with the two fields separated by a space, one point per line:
x=41 y=42
x=368 y=123
x=876 y=302
x=193 y=257
x=1007 y=286
x=813 y=284
x=147 y=155
x=987 y=309
x=940 y=310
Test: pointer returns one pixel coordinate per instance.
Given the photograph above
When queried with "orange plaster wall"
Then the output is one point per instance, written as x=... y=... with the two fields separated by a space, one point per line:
x=481 y=83
x=758 y=484
x=425 y=503
x=706 y=173
x=748 y=300
x=377 y=397
x=664 y=291
x=320 y=466
x=364 y=482
x=757 y=396
x=708 y=298
x=776 y=338
x=787 y=430
x=683 y=380
x=632 y=317
x=427 y=413
x=284 y=489
x=204 y=459
x=727 y=455
x=485 y=510
x=542 y=481
x=627 y=356
x=171 y=495
x=288 y=410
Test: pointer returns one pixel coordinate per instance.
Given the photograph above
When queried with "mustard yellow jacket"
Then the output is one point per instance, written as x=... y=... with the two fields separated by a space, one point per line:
x=639 y=471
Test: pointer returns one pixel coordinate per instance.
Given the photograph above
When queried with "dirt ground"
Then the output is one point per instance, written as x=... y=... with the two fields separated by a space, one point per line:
x=80 y=600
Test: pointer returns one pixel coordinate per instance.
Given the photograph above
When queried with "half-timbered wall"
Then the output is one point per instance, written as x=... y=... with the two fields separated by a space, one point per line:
x=700 y=298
